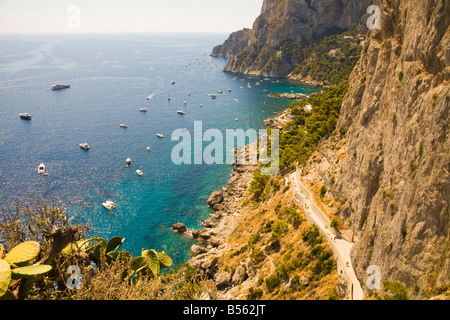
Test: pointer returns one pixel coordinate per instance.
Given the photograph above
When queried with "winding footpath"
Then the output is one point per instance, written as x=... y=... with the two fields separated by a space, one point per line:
x=340 y=246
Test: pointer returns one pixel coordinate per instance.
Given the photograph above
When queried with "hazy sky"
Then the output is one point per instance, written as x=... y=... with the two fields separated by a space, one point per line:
x=44 y=16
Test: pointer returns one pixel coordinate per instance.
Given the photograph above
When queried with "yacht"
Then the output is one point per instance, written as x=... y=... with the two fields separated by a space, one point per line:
x=122 y=125
x=148 y=148
x=143 y=109
x=128 y=161
x=229 y=90
x=219 y=91
x=172 y=82
x=25 y=116
x=236 y=100
x=109 y=205
x=139 y=172
x=160 y=135
x=85 y=146
x=213 y=96
x=58 y=86
x=181 y=112
x=237 y=120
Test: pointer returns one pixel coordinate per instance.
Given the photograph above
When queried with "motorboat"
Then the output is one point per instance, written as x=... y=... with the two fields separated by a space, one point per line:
x=143 y=109
x=172 y=82
x=185 y=102
x=237 y=120
x=41 y=170
x=219 y=91
x=128 y=161
x=58 y=86
x=175 y=139
x=109 y=205
x=85 y=146
x=139 y=172
x=160 y=135
x=25 y=116
x=201 y=106
x=213 y=96
x=229 y=90
x=236 y=100
x=181 y=112
x=148 y=148
x=122 y=125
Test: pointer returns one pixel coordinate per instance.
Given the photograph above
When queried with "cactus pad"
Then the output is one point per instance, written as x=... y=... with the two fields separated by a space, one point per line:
x=164 y=260
x=5 y=276
x=30 y=272
x=24 y=252
x=152 y=260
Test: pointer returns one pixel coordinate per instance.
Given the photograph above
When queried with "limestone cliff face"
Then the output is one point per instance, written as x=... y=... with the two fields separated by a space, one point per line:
x=392 y=168
x=236 y=42
x=299 y=21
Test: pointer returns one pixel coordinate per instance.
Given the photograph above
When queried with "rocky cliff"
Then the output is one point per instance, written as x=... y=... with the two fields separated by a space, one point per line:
x=391 y=168
x=292 y=24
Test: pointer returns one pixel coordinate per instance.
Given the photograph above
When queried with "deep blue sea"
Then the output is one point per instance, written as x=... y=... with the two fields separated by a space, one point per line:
x=111 y=77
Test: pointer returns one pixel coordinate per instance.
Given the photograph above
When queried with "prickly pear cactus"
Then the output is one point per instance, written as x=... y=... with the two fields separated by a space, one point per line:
x=24 y=252
x=31 y=272
x=5 y=276
x=164 y=260
x=152 y=260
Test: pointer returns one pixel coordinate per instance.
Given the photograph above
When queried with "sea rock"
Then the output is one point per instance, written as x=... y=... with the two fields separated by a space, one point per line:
x=179 y=228
x=215 y=199
x=197 y=250
x=239 y=276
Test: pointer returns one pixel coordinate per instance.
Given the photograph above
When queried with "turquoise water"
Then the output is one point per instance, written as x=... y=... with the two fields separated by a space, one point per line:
x=111 y=77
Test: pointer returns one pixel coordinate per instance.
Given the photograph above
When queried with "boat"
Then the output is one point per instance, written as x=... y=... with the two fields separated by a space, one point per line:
x=213 y=96
x=85 y=146
x=181 y=112
x=41 y=170
x=25 y=116
x=139 y=172
x=109 y=205
x=229 y=90
x=219 y=91
x=122 y=125
x=236 y=100
x=148 y=148
x=237 y=120
x=58 y=86
x=175 y=139
x=201 y=106
x=160 y=135
x=143 y=109
x=185 y=102
x=172 y=82
x=128 y=161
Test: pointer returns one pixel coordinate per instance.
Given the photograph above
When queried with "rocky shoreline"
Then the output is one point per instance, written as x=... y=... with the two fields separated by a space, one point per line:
x=211 y=239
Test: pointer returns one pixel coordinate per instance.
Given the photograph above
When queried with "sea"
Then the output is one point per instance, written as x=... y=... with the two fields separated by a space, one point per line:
x=111 y=77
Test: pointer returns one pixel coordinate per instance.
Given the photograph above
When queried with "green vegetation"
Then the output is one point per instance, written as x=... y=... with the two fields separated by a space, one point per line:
x=301 y=136
x=39 y=246
x=331 y=60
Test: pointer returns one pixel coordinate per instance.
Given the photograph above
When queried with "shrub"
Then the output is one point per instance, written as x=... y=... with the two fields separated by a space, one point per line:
x=323 y=191
x=272 y=283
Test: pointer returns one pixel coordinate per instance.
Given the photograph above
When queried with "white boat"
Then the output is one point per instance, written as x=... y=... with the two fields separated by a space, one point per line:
x=122 y=125
x=25 y=116
x=128 y=161
x=58 y=86
x=201 y=106
x=143 y=109
x=160 y=135
x=172 y=82
x=237 y=120
x=41 y=169
x=148 y=148
x=229 y=90
x=219 y=91
x=139 y=172
x=85 y=146
x=181 y=112
x=213 y=96
x=109 y=205
x=185 y=102
x=175 y=139
x=236 y=100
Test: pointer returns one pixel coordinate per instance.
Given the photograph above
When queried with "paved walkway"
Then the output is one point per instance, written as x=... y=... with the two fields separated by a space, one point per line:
x=341 y=246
